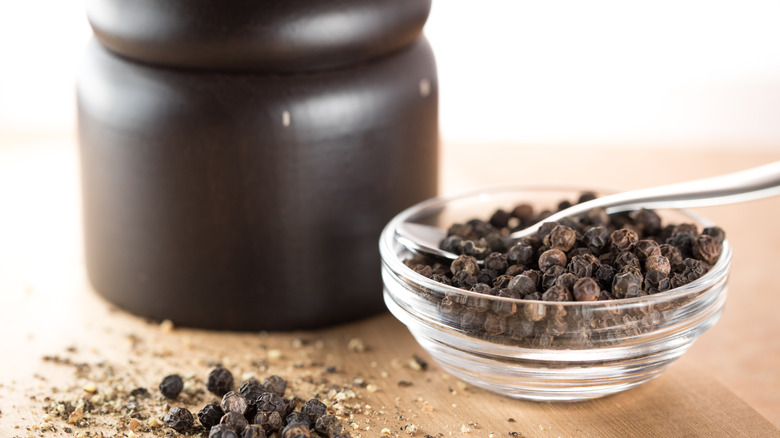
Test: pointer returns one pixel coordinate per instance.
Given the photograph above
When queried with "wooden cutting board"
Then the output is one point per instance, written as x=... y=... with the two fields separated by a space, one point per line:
x=58 y=338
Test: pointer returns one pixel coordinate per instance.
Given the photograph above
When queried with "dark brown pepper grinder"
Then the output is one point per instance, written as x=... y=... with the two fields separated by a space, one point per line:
x=232 y=196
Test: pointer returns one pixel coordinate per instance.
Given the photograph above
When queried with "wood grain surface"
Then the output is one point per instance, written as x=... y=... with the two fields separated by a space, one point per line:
x=726 y=385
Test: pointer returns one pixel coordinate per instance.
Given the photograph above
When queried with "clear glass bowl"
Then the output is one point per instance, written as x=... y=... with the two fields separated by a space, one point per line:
x=549 y=351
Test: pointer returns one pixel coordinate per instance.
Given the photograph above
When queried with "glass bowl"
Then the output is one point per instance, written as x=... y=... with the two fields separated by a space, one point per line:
x=547 y=351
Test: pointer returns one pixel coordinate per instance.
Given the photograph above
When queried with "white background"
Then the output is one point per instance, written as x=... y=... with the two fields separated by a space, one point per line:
x=682 y=73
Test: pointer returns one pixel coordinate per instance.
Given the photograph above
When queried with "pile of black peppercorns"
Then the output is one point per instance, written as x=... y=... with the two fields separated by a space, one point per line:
x=256 y=410
x=591 y=257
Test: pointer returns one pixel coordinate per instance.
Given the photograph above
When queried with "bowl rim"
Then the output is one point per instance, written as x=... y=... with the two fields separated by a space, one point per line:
x=394 y=262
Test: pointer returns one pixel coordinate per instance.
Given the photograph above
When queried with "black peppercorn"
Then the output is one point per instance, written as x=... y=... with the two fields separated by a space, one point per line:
x=623 y=239
x=583 y=265
x=451 y=244
x=441 y=279
x=486 y=276
x=449 y=307
x=551 y=257
x=328 y=425
x=595 y=217
x=557 y=293
x=514 y=270
x=693 y=269
x=461 y=230
x=496 y=262
x=561 y=237
x=269 y=421
x=596 y=238
x=646 y=248
x=551 y=275
x=475 y=248
x=296 y=430
x=524 y=212
x=567 y=280
x=234 y=402
x=481 y=288
x=270 y=402
x=500 y=219
x=646 y=221
x=424 y=270
x=463 y=280
x=656 y=281
x=715 y=232
x=171 y=386
x=495 y=242
x=275 y=384
x=585 y=197
x=251 y=390
x=502 y=281
x=210 y=415
x=672 y=254
x=480 y=227
x=178 y=419
x=235 y=420
x=313 y=409
x=586 y=289
x=522 y=284
x=658 y=263
x=627 y=284
x=536 y=296
x=707 y=248
x=494 y=324
x=220 y=381
x=504 y=308
x=683 y=237
x=604 y=275
x=253 y=431
x=464 y=263
x=626 y=258
x=223 y=431
x=545 y=229
x=471 y=319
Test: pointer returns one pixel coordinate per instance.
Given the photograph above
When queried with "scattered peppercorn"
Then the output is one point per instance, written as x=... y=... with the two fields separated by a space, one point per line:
x=251 y=390
x=296 y=430
x=234 y=402
x=253 y=431
x=328 y=425
x=178 y=419
x=210 y=415
x=171 y=386
x=220 y=381
x=313 y=410
x=222 y=431
x=235 y=420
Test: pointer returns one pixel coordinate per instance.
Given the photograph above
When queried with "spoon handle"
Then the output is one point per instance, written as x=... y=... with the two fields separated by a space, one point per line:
x=747 y=185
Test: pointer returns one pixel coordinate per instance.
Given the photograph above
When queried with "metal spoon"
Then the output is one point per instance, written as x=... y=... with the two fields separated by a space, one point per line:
x=747 y=185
